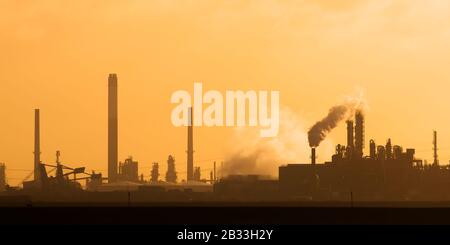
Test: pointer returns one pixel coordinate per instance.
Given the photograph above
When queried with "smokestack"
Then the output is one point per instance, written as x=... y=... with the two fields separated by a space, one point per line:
x=190 y=150
x=2 y=177
x=215 y=179
x=435 y=149
x=373 y=150
x=313 y=156
x=359 y=134
x=350 y=134
x=37 y=147
x=112 y=128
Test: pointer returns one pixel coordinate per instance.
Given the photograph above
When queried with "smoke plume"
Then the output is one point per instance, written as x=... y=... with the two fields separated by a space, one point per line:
x=336 y=114
x=248 y=153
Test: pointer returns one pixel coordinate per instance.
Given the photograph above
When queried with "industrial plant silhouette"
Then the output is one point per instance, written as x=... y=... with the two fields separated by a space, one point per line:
x=388 y=173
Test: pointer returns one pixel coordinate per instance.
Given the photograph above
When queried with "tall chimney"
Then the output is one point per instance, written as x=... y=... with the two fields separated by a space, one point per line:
x=190 y=150
x=435 y=149
x=350 y=134
x=112 y=128
x=359 y=134
x=313 y=156
x=215 y=179
x=37 y=147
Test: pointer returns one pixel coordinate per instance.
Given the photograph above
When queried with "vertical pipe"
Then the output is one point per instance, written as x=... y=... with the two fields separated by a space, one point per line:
x=359 y=135
x=37 y=146
x=215 y=179
x=313 y=156
x=2 y=177
x=373 y=150
x=350 y=133
x=112 y=128
x=435 y=149
x=190 y=150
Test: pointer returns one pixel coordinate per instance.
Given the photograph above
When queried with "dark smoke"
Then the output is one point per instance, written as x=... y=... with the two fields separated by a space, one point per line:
x=320 y=130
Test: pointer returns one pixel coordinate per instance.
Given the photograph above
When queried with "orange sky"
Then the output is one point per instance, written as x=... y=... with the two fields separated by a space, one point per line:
x=56 y=56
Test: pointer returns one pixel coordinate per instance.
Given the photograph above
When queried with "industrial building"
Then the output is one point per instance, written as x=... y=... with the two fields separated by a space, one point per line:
x=171 y=174
x=128 y=170
x=154 y=175
x=389 y=173
x=65 y=179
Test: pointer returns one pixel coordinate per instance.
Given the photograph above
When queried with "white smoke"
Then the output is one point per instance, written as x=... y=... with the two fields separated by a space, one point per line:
x=251 y=154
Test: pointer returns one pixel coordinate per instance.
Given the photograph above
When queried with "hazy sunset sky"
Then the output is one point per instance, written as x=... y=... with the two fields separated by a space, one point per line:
x=56 y=56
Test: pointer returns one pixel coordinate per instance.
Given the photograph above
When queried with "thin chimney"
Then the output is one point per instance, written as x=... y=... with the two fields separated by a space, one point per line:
x=37 y=146
x=190 y=150
x=112 y=128
x=313 y=156
x=215 y=179
x=359 y=135
x=350 y=134
x=435 y=149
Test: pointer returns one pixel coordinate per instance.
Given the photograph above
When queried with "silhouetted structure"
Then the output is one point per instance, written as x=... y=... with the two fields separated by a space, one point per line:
x=61 y=182
x=2 y=177
x=350 y=134
x=42 y=182
x=94 y=182
x=389 y=173
x=128 y=170
x=373 y=149
x=112 y=128
x=155 y=173
x=214 y=176
x=197 y=174
x=59 y=168
x=359 y=135
x=171 y=174
x=190 y=150
x=389 y=149
x=313 y=155
x=350 y=139
x=37 y=147
x=435 y=149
